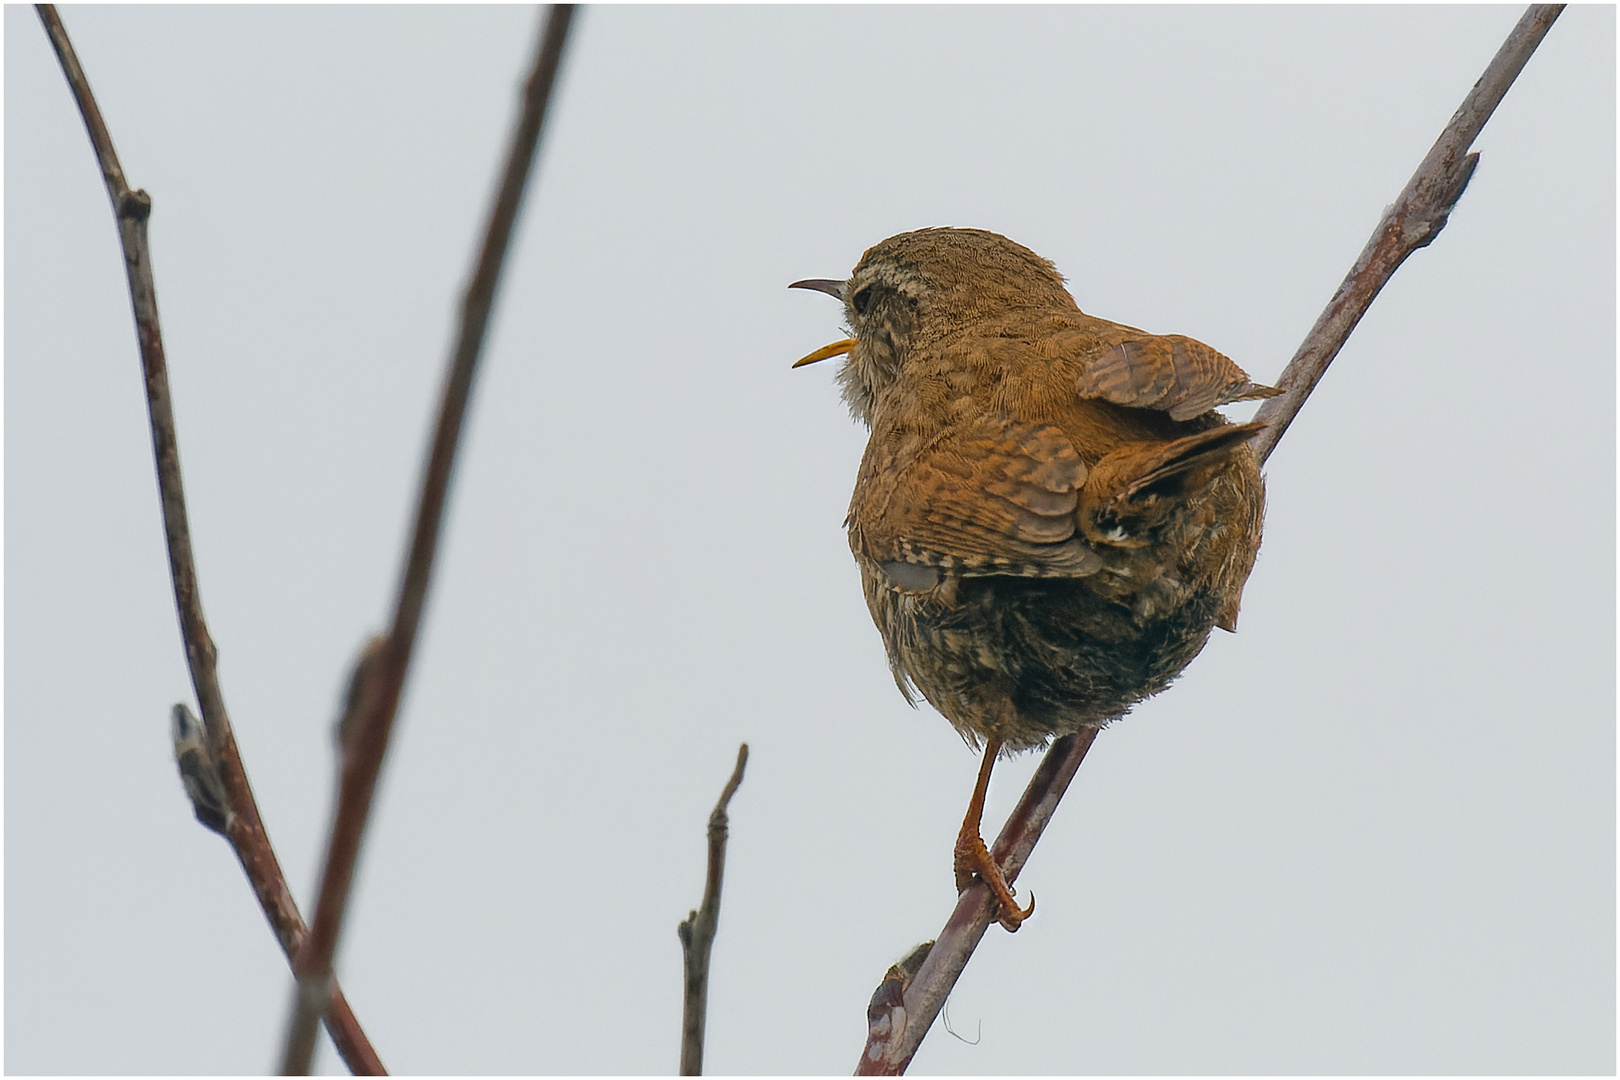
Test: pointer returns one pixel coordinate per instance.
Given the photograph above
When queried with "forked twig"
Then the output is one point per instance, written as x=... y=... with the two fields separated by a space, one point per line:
x=211 y=765
x=696 y=931
x=905 y=1004
x=380 y=676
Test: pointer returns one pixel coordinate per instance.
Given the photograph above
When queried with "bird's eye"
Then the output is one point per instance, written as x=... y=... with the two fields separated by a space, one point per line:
x=863 y=300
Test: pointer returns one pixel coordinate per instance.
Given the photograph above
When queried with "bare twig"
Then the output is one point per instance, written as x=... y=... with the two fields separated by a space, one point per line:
x=902 y=1010
x=697 y=930
x=1413 y=221
x=900 y=1014
x=210 y=752
x=378 y=686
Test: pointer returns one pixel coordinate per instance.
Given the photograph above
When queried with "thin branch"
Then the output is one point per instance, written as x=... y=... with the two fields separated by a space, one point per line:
x=903 y=1009
x=900 y=1014
x=697 y=930
x=212 y=750
x=378 y=687
x=1413 y=221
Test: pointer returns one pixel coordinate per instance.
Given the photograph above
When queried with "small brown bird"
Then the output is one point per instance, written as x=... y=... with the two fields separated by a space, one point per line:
x=1049 y=518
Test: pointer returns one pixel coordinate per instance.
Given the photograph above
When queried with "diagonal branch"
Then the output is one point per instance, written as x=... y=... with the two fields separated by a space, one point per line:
x=380 y=678
x=697 y=930
x=911 y=995
x=1412 y=222
x=905 y=1004
x=209 y=760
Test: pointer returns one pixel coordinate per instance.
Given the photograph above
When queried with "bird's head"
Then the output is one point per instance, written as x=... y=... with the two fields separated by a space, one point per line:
x=920 y=287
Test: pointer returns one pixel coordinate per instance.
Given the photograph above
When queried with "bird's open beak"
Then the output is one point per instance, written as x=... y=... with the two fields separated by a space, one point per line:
x=837 y=348
x=834 y=289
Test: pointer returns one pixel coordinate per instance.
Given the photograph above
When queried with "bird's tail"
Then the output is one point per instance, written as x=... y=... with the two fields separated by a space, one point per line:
x=1136 y=487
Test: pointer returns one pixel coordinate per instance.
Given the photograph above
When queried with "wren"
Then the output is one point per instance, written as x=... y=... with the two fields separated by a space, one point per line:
x=1050 y=518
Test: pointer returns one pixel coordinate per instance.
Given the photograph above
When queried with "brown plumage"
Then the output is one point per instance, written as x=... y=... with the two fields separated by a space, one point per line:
x=1049 y=518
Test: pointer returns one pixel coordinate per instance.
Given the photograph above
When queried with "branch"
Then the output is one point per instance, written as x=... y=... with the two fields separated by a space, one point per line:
x=697 y=931
x=380 y=678
x=209 y=762
x=1413 y=221
x=904 y=1005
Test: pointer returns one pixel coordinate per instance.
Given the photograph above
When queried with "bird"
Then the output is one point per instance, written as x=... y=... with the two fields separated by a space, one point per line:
x=1050 y=517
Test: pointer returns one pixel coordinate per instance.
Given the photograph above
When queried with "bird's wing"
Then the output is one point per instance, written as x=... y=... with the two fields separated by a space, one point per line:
x=992 y=495
x=1170 y=373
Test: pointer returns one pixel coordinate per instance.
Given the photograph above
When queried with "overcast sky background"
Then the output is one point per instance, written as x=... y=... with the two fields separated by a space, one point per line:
x=1372 y=832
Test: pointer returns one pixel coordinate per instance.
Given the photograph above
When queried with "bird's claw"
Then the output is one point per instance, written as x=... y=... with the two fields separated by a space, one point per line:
x=974 y=862
x=1011 y=922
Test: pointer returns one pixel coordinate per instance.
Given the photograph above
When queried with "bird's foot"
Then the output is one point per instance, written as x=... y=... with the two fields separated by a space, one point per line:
x=973 y=860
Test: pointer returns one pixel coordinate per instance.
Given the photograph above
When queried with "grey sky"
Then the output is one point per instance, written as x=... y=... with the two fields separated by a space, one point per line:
x=1372 y=832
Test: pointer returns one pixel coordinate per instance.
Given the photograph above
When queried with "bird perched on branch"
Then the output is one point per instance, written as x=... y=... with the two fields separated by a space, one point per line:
x=1049 y=518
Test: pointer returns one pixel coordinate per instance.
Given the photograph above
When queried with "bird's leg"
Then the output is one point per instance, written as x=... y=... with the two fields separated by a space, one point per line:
x=974 y=859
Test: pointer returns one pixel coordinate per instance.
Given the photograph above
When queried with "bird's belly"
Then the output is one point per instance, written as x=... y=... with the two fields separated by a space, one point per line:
x=1024 y=659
